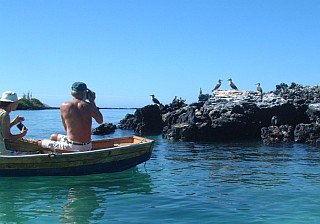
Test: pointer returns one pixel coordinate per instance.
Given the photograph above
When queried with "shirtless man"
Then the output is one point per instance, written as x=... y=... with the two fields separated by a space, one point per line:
x=76 y=117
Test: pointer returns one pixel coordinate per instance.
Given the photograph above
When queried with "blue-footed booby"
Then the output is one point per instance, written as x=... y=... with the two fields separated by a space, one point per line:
x=232 y=85
x=155 y=100
x=217 y=86
x=259 y=89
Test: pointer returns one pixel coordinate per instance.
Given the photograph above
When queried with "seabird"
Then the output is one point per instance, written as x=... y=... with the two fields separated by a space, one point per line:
x=218 y=85
x=275 y=120
x=200 y=92
x=155 y=100
x=182 y=100
x=232 y=85
x=259 y=89
x=175 y=99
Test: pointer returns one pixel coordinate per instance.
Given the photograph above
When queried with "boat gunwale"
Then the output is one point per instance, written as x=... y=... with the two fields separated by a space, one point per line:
x=95 y=151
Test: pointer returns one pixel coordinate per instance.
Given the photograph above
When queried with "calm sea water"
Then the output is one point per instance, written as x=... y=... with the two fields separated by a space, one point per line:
x=182 y=183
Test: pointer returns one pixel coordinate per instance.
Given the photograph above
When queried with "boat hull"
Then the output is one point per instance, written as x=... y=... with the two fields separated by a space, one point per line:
x=104 y=160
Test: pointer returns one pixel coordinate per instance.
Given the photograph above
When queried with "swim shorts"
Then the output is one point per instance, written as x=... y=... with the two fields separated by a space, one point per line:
x=64 y=143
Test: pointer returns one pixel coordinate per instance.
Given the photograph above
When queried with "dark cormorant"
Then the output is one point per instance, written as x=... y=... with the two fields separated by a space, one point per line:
x=232 y=85
x=155 y=100
x=218 y=85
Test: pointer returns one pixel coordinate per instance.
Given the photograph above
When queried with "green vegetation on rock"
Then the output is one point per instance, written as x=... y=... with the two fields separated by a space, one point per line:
x=32 y=104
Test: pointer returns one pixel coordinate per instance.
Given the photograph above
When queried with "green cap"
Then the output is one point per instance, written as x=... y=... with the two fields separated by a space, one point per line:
x=79 y=86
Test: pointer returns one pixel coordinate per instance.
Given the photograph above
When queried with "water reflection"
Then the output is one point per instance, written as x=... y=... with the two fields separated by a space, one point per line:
x=246 y=163
x=80 y=199
x=82 y=205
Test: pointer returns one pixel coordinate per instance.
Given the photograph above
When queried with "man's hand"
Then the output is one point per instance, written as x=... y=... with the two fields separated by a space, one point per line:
x=91 y=96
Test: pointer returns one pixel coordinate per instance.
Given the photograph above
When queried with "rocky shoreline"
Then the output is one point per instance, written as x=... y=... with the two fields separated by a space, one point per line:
x=286 y=115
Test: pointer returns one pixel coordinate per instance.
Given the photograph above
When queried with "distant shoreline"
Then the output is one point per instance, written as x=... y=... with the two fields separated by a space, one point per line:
x=100 y=108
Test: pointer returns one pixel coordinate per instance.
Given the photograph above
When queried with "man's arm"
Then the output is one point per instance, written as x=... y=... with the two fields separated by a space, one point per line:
x=96 y=114
x=62 y=114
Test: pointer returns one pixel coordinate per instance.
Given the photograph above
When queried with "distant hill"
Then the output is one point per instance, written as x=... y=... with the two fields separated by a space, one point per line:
x=32 y=104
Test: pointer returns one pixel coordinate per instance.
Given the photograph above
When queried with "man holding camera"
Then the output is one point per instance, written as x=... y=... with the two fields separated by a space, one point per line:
x=76 y=117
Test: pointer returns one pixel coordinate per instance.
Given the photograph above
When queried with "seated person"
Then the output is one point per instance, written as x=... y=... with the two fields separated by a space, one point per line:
x=8 y=103
x=76 y=117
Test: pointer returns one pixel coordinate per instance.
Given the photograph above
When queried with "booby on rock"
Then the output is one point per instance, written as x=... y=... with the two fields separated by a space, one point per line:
x=232 y=85
x=259 y=89
x=217 y=86
x=175 y=99
x=155 y=100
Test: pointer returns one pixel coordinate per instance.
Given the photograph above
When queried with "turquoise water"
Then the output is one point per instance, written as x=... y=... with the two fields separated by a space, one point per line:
x=182 y=183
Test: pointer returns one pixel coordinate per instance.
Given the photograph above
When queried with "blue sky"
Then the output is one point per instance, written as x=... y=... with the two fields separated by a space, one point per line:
x=126 y=50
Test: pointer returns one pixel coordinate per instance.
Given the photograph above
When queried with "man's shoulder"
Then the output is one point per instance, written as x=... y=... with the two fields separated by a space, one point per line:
x=73 y=102
x=69 y=105
x=75 y=105
x=66 y=104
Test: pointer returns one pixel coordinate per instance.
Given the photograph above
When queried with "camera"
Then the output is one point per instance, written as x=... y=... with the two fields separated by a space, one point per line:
x=21 y=126
x=90 y=94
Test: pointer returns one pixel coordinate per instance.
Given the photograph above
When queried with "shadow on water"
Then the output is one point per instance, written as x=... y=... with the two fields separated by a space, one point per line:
x=78 y=199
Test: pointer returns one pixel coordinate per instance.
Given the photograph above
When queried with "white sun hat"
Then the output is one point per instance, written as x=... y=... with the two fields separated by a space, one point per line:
x=9 y=96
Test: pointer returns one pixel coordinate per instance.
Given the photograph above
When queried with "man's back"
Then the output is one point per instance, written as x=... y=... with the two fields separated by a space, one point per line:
x=77 y=119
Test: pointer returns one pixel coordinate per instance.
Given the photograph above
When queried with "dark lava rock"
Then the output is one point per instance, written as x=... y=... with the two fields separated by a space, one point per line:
x=145 y=121
x=235 y=115
x=314 y=112
x=231 y=115
x=277 y=134
x=128 y=123
x=203 y=97
x=307 y=133
x=104 y=129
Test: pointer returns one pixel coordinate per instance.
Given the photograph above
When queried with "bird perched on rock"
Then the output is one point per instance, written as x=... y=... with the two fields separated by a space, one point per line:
x=217 y=86
x=175 y=99
x=232 y=85
x=259 y=89
x=275 y=120
x=155 y=100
